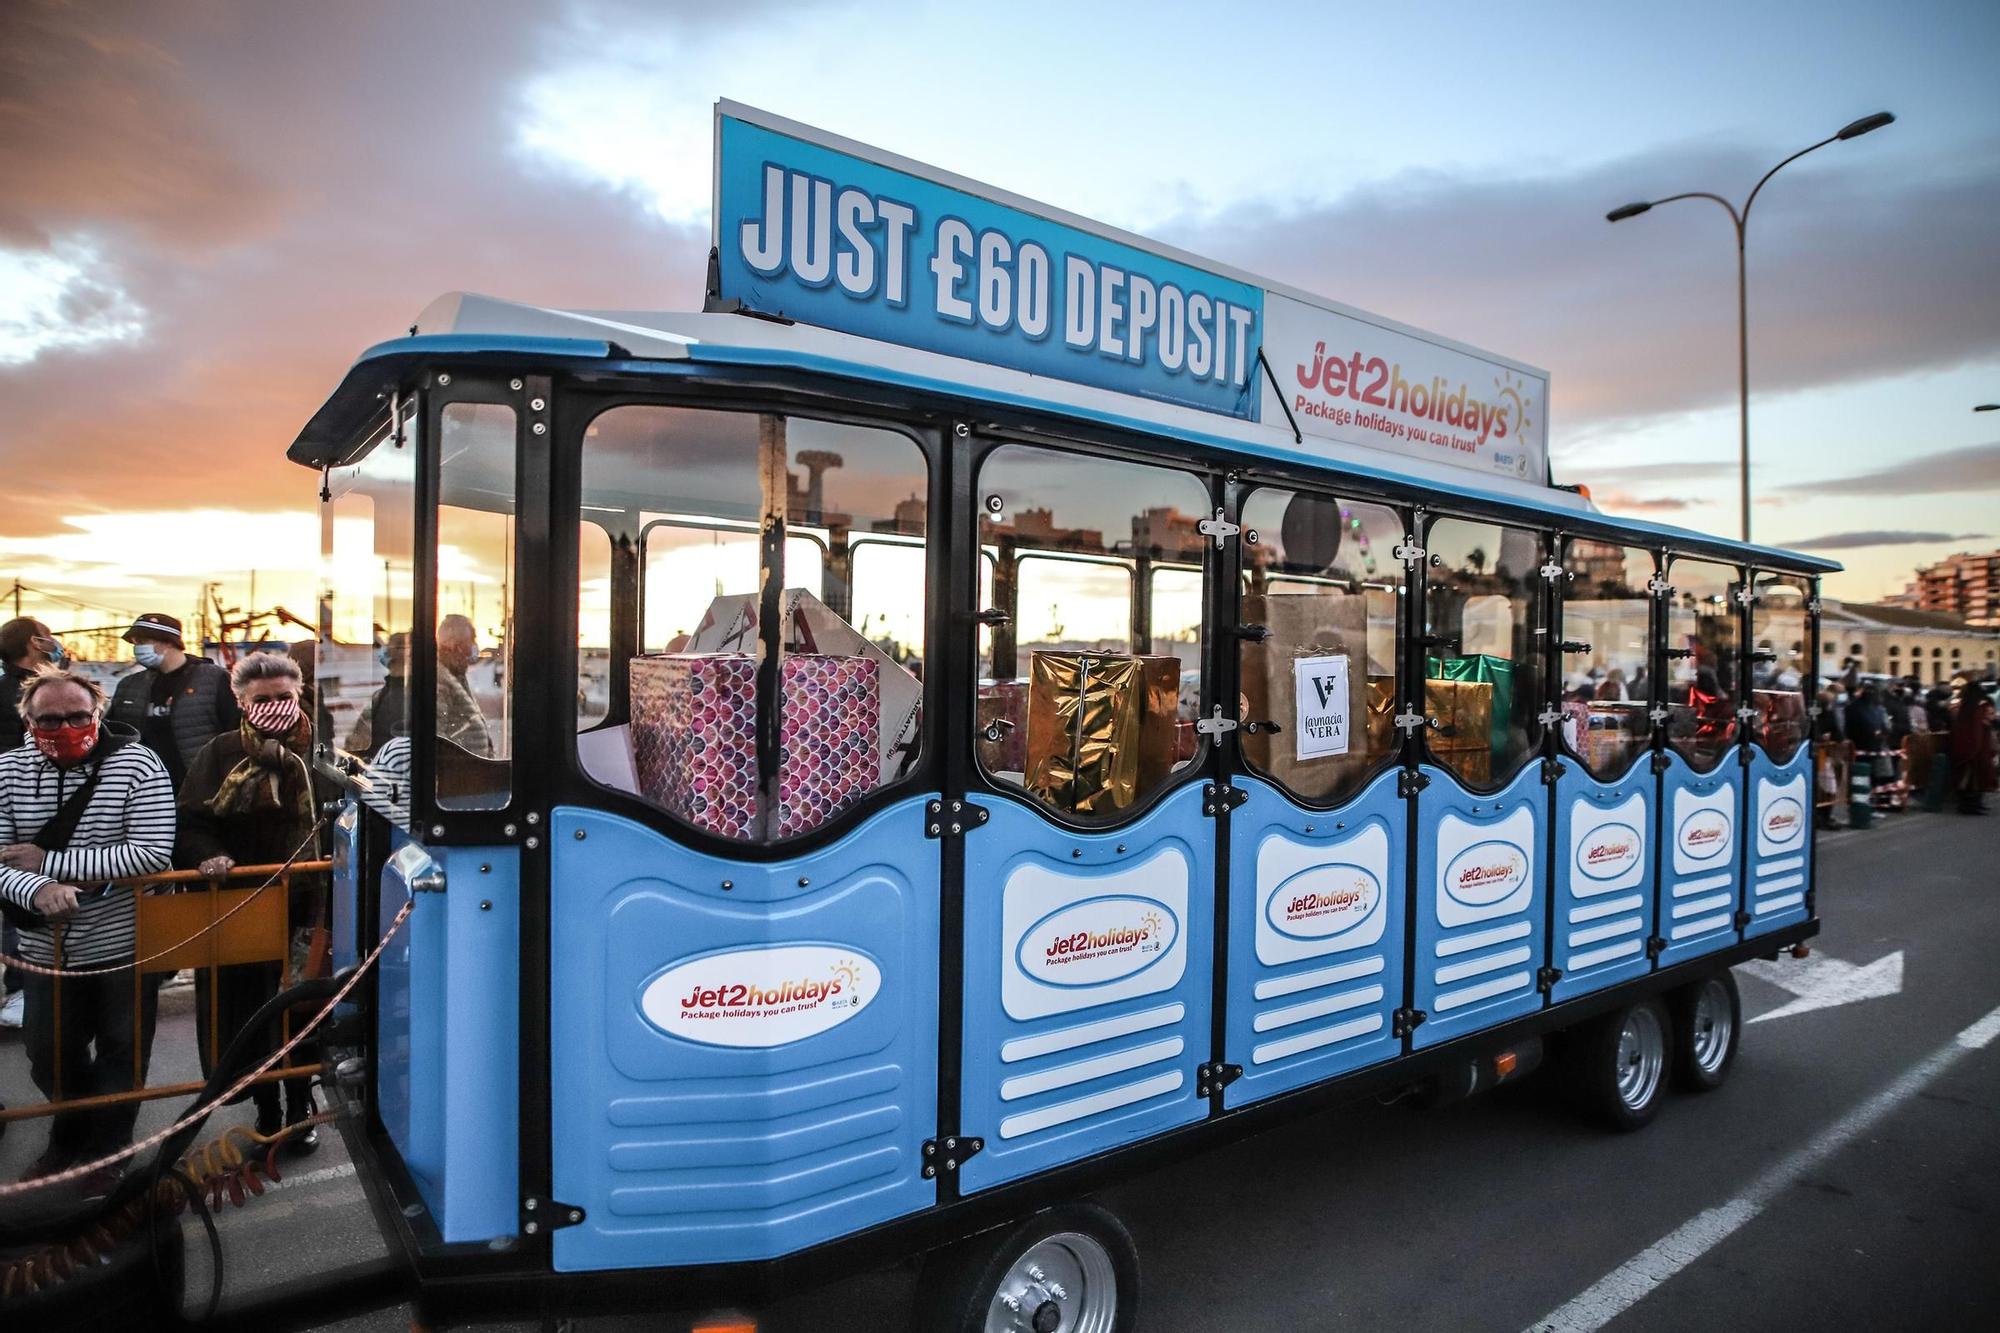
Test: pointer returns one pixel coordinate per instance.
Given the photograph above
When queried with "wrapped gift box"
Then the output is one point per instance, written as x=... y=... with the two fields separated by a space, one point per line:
x=694 y=738
x=1463 y=738
x=1497 y=672
x=1002 y=717
x=1381 y=728
x=829 y=716
x=811 y=627
x=1100 y=728
x=1307 y=625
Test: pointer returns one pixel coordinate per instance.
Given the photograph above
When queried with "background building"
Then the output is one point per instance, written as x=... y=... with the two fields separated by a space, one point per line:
x=1933 y=646
x=1963 y=584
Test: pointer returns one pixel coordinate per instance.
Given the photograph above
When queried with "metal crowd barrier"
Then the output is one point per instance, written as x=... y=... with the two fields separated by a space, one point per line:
x=186 y=919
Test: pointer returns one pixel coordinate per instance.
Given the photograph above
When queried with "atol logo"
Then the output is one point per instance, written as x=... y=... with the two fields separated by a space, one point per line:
x=1704 y=835
x=1783 y=819
x=1097 y=941
x=1608 y=851
x=761 y=997
x=1324 y=900
x=1486 y=873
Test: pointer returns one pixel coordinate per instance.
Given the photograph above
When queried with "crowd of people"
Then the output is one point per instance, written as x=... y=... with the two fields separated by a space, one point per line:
x=1878 y=718
x=185 y=765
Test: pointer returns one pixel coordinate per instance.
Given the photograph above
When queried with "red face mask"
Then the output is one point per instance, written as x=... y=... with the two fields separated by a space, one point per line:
x=67 y=746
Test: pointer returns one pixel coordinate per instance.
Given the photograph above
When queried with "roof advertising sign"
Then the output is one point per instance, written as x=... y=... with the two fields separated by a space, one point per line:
x=841 y=236
x=1360 y=382
x=821 y=235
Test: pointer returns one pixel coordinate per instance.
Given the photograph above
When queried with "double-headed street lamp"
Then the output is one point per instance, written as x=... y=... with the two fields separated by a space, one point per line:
x=1740 y=217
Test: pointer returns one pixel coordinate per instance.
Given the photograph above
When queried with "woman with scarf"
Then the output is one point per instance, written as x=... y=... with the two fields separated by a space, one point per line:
x=250 y=799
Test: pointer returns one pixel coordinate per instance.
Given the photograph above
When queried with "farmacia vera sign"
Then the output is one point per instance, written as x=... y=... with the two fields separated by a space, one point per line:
x=844 y=237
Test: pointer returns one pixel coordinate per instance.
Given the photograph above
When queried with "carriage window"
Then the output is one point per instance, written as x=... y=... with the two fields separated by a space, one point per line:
x=475 y=605
x=1702 y=687
x=744 y=729
x=1482 y=684
x=368 y=542
x=1779 y=663
x=1091 y=631
x=1320 y=691
x=1607 y=637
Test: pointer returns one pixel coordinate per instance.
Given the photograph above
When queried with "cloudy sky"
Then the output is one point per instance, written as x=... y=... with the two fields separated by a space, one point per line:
x=211 y=207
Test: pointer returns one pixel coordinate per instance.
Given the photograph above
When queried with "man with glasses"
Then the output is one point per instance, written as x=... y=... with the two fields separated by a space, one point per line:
x=80 y=805
x=26 y=646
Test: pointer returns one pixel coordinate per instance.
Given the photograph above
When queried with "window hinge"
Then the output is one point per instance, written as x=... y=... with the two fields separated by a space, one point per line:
x=1745 y=595
x=951 y=819
x=1813 y=606
x=1655 y=946
x=1214 y=1078
x=1548 y=717
x=1660 y=714
x=1658 y=586
x=1411 y=781
x=1553 y=571
x=1552 y=769
x=1812 y=710
x=1546 y=979
x=1409 y=552
x=1218 y=527
x=1743 y=919
x=1220 y=799
x=1411 y=722
x=1660 y=761
x=947 y=1153
x=1405 y=1021
x=1745 y=714
x=1215 y=724
x=539 y=1215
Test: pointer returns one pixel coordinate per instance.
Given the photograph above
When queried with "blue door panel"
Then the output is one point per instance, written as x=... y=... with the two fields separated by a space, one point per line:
x=743 y=1054
x=1481 y=909
x=1701 y=877
x=1088 y=960
x=1316 y=933
x=1604 y=877
x=1779 y=845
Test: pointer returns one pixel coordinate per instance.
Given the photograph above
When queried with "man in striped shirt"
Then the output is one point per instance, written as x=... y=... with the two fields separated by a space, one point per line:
x=125 y=828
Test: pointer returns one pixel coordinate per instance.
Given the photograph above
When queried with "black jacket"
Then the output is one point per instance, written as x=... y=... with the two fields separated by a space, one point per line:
x=13 y=731
x=203 y=707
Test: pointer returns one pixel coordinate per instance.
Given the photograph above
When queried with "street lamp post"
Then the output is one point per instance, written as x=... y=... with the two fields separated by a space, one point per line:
x=1741 y=218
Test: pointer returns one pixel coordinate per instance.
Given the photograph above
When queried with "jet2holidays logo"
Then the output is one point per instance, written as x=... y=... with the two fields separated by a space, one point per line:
x=826 y=238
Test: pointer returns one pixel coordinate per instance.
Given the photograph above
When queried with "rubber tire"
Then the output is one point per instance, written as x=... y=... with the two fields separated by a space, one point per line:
x=1689 y=1076
x=1592 y=1059
x=958 y=1283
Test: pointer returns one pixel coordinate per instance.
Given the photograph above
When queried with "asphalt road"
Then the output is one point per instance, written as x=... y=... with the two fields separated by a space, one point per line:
x=1847 y=1176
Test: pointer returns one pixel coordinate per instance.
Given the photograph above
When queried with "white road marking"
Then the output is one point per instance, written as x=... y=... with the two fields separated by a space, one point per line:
x=1636 y=1278
x=1821 y=982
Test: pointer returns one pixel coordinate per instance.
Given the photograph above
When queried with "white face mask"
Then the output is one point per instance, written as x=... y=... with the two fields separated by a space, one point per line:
x=147 y=654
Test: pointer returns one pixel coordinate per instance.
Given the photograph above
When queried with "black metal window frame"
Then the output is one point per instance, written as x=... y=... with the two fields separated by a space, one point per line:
x=1655 y=659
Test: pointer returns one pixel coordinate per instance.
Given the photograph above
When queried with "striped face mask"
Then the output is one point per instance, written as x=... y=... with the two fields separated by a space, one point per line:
x=273 y=717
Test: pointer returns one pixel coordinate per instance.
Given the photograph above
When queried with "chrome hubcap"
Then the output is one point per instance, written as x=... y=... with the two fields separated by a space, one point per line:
x=1642 y=1052
x=1714 y=1029
x=1063 y=1284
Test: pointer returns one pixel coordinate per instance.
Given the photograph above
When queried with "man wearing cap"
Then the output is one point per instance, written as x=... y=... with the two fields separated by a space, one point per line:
x=179 y=701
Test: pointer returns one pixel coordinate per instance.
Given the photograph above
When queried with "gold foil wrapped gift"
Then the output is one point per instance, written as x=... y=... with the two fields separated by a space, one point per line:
x=1100 y=728
x=1462 y=740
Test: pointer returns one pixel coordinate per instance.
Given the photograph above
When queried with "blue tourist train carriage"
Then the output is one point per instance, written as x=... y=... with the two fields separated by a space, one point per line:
x=988 y=705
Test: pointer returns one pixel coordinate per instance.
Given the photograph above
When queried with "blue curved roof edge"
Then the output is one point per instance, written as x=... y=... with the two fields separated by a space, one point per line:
x=365 y=389
x=376 y=373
